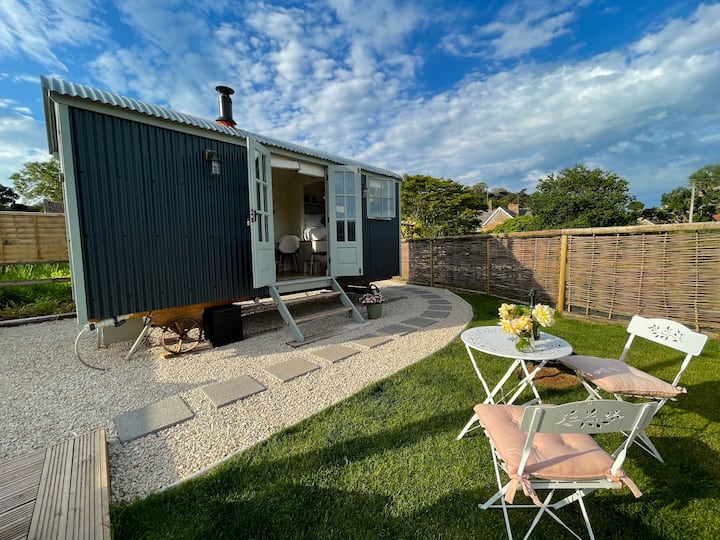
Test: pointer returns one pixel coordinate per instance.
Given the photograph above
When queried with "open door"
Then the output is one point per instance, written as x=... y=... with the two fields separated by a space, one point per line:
x=344 y=223
x=262 y=232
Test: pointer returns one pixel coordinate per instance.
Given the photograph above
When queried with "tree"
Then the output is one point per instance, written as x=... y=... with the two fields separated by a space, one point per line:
x=676 y=204
x=7 y=198
x=433 y=207
x=706 y=182
x=39 y=180
x=580 y=197
x=526 y=222
x=481 y=190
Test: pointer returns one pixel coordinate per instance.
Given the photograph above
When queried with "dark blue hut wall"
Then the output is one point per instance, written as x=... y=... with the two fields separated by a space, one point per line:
x=381 y=242
x=157 y=229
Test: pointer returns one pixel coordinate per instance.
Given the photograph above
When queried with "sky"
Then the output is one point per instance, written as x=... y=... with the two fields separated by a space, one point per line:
x=503 y=93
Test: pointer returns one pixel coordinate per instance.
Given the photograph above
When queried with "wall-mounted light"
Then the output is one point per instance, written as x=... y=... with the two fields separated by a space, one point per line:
x=212 y=157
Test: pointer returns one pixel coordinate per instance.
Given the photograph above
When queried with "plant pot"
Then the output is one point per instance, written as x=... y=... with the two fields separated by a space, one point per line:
x=374 y=311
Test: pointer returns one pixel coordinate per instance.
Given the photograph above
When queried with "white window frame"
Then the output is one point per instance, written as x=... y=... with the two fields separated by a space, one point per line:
x=387 y=197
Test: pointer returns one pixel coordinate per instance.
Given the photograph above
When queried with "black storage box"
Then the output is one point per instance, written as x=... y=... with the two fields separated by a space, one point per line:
x=223 y=324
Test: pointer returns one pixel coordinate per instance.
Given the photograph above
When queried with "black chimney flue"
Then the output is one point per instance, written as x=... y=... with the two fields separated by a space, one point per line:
x=225 y=106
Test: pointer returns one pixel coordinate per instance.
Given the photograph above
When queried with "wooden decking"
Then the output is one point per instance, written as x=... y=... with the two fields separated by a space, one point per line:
x=60 y=492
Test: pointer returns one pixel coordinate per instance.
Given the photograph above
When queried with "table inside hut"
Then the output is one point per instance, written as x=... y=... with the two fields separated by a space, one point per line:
x=493 y=341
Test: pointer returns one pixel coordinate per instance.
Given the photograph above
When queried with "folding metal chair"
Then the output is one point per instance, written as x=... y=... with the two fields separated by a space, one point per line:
x=549 y=447
x=622 y=380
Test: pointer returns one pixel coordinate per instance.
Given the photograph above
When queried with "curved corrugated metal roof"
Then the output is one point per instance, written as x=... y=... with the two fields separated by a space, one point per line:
x=81 y=91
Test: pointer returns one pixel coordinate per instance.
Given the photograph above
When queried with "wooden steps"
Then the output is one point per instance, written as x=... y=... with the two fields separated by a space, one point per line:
x=322 y=314
x=306 y=284
x=60 y=492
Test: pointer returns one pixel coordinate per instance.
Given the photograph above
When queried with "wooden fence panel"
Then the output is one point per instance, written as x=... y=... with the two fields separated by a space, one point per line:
x=31 y=237
x=614 y=273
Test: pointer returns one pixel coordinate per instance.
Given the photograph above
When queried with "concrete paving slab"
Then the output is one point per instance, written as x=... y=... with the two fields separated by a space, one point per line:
x=295 y=367
x=440 y=306
x=422 y=322
x=435 y=314
x=397 y=329
x=152 y=418
x=335 y=353
x=371 y=341
x=227 y=392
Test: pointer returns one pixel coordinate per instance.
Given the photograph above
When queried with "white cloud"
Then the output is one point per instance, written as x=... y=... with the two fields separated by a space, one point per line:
x=613 y=110
x=341 y=75
x=39 y=28
x=23 y=141
x=521 y=27
x=697 y=35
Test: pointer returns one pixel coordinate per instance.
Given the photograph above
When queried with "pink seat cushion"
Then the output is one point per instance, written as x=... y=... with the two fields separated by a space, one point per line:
x=619 y=378
x=563 y=456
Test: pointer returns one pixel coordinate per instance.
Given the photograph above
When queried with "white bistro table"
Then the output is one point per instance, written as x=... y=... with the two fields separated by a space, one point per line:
x=492 y=340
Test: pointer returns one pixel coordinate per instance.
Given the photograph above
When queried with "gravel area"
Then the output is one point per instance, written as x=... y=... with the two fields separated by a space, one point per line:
x=47 y=395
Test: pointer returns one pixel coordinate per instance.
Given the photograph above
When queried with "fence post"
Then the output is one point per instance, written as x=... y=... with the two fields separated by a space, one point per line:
x=432 y=264
x=563 y=273
x=488 y=265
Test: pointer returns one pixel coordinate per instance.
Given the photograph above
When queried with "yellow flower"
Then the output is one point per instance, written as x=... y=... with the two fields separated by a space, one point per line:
x=506 y=311
x=544 y=315
x=507 y=326
x=523 y=323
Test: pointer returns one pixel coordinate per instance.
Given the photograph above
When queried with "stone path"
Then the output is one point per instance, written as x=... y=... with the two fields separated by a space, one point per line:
x=173 y=410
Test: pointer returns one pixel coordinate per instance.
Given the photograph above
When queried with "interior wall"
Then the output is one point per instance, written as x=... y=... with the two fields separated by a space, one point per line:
x=287 y=203
x=290 y=192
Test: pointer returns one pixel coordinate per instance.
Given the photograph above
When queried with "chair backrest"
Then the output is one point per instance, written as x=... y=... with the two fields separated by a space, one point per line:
x=669 y=333
x=289 y=244
x=589 y=417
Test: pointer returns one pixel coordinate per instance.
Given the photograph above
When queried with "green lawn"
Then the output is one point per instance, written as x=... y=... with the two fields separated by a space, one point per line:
x=17 y=302
x=385 y=463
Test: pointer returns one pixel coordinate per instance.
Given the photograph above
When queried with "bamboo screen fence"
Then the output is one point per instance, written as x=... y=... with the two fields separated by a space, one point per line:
x=612 y=273
x=31 y=237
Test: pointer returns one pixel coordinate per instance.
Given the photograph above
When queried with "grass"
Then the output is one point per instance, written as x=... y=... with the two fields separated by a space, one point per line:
x=34 y=300
x=385 y=463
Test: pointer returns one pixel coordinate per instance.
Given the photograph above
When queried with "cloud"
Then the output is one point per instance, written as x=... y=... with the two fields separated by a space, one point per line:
x=39 y=29
x=615 y=110
x=344 y=76
x=23 y=141
x=520 y=28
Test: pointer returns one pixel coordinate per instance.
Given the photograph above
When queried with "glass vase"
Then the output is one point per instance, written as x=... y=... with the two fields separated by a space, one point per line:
x=525 y=341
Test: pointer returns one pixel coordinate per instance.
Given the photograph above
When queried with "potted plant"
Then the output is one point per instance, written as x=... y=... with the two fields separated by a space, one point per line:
x=373 y=301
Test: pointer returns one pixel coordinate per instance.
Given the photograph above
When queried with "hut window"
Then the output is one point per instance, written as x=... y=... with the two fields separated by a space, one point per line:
x=381 y=199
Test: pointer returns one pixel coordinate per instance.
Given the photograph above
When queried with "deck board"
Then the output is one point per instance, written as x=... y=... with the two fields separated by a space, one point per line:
x=60 y=492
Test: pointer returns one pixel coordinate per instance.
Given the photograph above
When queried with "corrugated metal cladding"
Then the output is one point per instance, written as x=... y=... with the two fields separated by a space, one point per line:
x=381 y=243
x=158 y=230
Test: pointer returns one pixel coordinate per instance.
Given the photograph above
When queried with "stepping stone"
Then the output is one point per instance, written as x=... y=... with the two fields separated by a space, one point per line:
x=435 y=314
x=286 y=371
x=371 y=341
x=397 y=329
x=428 y=294
x=227 y=392
x=440 y=306
x=335 y=353
x=152 y=418
x=419 y=321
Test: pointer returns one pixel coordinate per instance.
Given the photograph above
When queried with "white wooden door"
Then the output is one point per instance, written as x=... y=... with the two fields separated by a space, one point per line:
x=262 y=232
x=344 y=221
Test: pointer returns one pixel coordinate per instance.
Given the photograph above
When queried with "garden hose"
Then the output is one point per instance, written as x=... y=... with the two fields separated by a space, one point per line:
x=115 y=321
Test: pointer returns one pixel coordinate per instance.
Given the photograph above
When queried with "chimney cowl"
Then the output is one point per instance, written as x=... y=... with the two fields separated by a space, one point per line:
x=225 y=106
